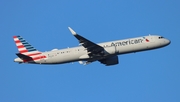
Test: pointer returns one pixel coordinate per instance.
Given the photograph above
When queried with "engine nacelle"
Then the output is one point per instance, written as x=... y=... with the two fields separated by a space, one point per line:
x=110 y=61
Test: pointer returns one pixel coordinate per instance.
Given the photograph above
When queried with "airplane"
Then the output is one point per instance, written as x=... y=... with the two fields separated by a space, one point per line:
x=88 y=51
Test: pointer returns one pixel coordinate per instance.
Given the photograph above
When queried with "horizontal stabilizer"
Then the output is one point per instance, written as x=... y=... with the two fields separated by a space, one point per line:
x=22 y=56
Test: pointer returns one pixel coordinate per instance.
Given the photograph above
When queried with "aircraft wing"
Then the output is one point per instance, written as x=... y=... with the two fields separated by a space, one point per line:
x=92 y=48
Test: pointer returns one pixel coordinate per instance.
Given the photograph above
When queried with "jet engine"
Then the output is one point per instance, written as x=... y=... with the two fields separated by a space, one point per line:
x=110 y=61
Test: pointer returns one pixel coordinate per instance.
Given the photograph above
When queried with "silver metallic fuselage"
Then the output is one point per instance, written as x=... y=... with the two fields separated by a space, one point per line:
x=111 y=48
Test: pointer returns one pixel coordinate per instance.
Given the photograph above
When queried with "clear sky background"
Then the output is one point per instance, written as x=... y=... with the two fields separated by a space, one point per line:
x=151 y=76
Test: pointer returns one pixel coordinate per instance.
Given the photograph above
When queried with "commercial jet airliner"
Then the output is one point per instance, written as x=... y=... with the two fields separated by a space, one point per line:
x=88 y=51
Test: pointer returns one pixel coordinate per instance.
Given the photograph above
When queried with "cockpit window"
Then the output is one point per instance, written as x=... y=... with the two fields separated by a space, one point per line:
x=161 y=37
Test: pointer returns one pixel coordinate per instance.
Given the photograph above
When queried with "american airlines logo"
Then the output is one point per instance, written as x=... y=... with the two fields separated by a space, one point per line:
x=146 y=39
x=127 y=42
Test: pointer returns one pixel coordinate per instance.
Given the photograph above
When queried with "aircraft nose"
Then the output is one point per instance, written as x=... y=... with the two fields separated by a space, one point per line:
x=168 y=41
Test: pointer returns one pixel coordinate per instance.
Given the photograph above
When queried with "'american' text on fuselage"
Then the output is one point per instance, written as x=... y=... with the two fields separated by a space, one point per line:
x=127 y=42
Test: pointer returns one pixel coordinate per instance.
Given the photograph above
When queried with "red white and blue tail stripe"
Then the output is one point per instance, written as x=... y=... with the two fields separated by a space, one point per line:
x=22 y=45
x=25 y=49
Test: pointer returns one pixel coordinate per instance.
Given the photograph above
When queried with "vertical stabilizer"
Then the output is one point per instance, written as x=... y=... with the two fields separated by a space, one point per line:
x=26 y=51
x=24 y=47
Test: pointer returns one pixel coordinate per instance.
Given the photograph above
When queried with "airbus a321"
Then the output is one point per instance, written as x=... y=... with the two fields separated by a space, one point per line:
x=88 y=51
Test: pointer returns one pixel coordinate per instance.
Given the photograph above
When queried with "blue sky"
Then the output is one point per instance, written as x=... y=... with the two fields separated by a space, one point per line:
x=151 y=76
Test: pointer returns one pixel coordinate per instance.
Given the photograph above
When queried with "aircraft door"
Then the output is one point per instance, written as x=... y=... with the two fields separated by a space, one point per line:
x=51 y=55
x=152 y=40
x=149 y=42
x=43 y=59
x=149 y=39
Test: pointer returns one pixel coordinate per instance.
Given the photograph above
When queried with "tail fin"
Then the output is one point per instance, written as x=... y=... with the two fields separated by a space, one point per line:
x=23 y=46
x=27 y=52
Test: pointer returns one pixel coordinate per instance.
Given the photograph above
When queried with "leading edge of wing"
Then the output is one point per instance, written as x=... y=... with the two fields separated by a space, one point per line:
x=92 y=47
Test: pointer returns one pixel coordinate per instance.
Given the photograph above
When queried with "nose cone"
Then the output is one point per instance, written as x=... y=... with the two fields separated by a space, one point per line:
x=165 y=42
x=168 y=41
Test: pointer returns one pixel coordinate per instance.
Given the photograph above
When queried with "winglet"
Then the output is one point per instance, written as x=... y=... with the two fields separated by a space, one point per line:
x=72 y=31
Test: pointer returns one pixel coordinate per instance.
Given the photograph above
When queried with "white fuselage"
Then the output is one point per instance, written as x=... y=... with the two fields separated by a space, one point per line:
x=111 y=48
